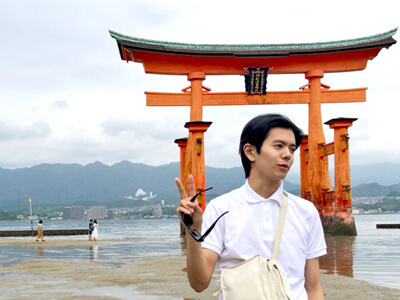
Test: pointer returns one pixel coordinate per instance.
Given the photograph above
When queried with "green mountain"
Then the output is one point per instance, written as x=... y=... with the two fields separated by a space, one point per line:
x=384 y=174
x=67 y=184
x=97 y=183
x=375 y=190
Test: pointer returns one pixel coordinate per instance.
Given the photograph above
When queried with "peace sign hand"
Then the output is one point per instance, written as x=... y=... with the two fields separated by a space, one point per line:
x=186 y=206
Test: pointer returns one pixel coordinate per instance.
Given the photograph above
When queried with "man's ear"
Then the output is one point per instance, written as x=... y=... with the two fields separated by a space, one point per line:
x=249 y=151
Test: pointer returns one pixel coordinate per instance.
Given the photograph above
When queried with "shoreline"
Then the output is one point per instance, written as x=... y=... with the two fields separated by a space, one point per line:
x=57 y=242
x=135 y=278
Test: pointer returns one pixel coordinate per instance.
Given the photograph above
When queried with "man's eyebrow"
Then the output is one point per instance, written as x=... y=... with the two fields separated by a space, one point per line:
x=283 y=142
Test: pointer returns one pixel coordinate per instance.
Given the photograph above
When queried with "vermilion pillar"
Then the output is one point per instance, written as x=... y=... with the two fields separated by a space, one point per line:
x=194 y=160
x=196 y=98
x=304 y=178
x=319 y=181
x=182 y=143
x=343 y=210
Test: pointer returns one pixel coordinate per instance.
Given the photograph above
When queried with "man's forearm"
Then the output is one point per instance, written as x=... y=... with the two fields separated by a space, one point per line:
x=312 y=280
x=317 y=294
x=200 y=263
x=198 y=269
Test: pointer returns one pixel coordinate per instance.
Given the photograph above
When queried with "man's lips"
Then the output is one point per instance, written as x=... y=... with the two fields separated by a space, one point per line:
x=284 y=167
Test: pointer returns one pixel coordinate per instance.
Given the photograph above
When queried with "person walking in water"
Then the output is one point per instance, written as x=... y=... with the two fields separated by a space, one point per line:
x=40 y=231
x=95 y=232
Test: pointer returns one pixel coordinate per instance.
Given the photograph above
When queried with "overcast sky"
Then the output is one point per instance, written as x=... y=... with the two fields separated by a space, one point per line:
x=67 y=97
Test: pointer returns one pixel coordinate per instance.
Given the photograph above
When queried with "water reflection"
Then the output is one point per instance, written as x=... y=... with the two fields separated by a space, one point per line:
x=94 y=252
x=40 y=250
x=183 y=246
x=339 y=258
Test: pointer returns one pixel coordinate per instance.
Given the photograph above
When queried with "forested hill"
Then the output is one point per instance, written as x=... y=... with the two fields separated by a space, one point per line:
x=66 y=184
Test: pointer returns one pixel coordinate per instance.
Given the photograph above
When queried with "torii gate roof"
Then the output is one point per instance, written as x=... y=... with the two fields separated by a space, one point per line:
x=228 y=59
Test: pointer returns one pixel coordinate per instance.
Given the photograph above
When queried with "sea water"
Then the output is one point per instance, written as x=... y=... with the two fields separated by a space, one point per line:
x=373 y=255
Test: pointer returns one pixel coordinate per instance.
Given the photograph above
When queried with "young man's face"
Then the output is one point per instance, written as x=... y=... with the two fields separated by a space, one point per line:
x=276 y=155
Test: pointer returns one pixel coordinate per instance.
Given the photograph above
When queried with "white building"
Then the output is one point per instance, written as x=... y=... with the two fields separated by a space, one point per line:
x=141 y=195
x=97 y=212
x=73 y=212
x=157 y=212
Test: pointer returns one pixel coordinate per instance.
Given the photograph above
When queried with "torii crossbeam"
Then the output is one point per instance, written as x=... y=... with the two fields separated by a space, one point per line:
x=197 y=61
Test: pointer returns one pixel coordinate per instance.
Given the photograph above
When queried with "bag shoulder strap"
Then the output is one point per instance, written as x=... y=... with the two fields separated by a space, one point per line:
x=281 y=221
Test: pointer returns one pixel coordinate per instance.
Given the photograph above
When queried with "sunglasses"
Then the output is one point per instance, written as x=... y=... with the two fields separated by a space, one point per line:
x=188 y=221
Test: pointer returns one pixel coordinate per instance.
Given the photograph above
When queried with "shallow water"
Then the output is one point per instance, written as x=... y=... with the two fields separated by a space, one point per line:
x=124 y=293
x=141 y=238
x=373 y=255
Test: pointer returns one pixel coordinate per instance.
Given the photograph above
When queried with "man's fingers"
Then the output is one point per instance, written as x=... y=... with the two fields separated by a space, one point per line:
x=192 y=187
x=181 y=189
x=185 y=210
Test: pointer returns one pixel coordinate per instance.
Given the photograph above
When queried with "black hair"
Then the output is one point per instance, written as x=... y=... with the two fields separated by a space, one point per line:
x=40 y=221
x=256 y=131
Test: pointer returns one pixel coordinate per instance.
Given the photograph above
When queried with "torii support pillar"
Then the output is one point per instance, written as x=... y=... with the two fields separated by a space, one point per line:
x=342 y=222
x=182 y=143
x=304 y=178
x=318 y=181
x=194 y=160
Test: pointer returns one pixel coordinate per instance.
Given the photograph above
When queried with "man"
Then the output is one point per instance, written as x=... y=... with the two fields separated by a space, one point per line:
x=91 y=228
x=267 y=146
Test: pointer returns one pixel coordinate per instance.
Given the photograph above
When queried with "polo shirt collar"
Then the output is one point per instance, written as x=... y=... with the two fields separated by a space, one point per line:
x=252 y=197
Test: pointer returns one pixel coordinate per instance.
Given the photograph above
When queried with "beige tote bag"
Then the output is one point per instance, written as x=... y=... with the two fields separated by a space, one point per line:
x=258 y=278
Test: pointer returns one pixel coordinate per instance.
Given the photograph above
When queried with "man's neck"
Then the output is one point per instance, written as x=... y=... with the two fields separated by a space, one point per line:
x=265 y=188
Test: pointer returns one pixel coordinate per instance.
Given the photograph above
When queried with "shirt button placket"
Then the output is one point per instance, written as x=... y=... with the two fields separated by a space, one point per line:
x=265 y=213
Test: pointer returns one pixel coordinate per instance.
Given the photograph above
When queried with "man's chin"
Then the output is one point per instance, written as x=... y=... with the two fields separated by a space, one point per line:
x=284 y=174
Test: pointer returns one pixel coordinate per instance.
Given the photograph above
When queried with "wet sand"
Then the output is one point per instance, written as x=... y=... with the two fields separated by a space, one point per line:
x=139 y=278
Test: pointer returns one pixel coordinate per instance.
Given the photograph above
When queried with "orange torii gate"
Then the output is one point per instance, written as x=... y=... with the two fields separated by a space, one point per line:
x=313 y=59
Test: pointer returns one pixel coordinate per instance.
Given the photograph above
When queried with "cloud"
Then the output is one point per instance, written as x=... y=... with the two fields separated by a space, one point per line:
x=117 y=127
x=59 y=105
x=63 y=50
x=13 y=131
x=149 y=128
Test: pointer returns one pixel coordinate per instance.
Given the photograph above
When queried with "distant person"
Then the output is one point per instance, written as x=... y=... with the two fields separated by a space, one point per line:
x=40 y=231
x=90 y=229
x=95 y=232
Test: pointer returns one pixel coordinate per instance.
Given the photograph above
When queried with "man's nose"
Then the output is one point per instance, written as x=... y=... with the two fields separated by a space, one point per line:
x=287 y=154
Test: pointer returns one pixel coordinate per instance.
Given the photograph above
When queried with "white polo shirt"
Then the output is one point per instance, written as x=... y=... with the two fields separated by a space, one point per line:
x=249 y=229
